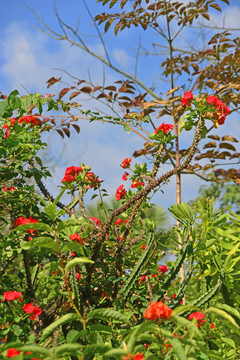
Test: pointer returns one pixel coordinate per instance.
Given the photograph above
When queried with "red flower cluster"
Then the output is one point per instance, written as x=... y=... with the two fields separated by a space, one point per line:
x=163 y=269
x=11 y=353
x=120 y=221
x=165 y=128
x=187 y=98
x=7 y=127
x=126 y=163
x=97 y=221
x=70 y=173
x=93 y=180
x=136 y=184
x=157 y=310
x=22 y=221
x=222 y=109
x=12 y=295
x=120 y=193
x=76 y=237
x=9 y=189
x=30 y=308
x=199 y=316
x=29 y=120
x=135 y=357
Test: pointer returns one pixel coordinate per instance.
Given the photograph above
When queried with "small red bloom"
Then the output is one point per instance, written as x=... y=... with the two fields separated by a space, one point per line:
x=146 y=346
x=93 y=180
x=78 y=277
x=143 y=247
x=120 y=221
x=165 y=128
x=126 y=163
x=187 y=98
x=12 y=295
x=9 y=189
x=222 y=109
x=120 y=193
x=212 y=326
x=124 y=177
x=198 y=316
x=142 y=279
x=136 y=184
x=76 y=237
x=157 y=310
x=11 y=353
x=22 y=221
x=135 y=357
x=163 y=269
x=97 y=221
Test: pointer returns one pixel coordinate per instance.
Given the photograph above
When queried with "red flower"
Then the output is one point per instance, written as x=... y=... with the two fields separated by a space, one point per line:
x=136 y=184
x=163 y=269
x=9 y=188
x=97 y=221
x=78 y=277
x=143 y=247
x=157 y=310
x=124 y=177
x=11 y=353
x=165 y=128
x=212 y=326
x=126 y=163
x=7 y=127
x=93 y=180
x=70 y=173
x=22 y=221
x=142 y=279
x=30 y=308
x=222 y=109
x=76 y=237
x=29 y=120
x=198 y=316
x=119 y=221
x=120 y=193
x=136 y=357
x=12 y=295
x=187 y=98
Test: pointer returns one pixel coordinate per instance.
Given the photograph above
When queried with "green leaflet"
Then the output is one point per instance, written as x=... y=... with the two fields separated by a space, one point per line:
x=77 y=261
x=44 y=241
x=95 y=349
x=225 y=315
x=67 y=350
x=103 y=313
x=207 y=296
x=36 y=350
x=183 y=286
x=175 y=269
x=124 y=292
x=59 y=322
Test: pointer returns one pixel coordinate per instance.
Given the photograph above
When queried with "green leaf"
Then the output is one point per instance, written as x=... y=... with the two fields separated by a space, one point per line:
x=51 y=211
x=35 y=226
x=188 y=324
x=77 y=261
x=91 y=350
x=44 y=241
x=67 y=350
x=223 y=314
x=69 y=222
x=72 y=336
x=108 y=314
x=36 y=350
x=124 y=292
x=59 y=322
x=3 y=107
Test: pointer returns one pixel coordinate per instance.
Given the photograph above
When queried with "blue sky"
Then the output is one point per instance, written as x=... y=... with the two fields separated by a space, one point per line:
x=29 y=58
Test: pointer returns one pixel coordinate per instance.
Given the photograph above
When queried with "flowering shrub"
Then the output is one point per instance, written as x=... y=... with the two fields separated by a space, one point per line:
x=90 y=284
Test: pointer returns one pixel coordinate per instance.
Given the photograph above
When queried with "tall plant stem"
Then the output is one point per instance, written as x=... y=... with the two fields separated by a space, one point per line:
x=177 y=156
